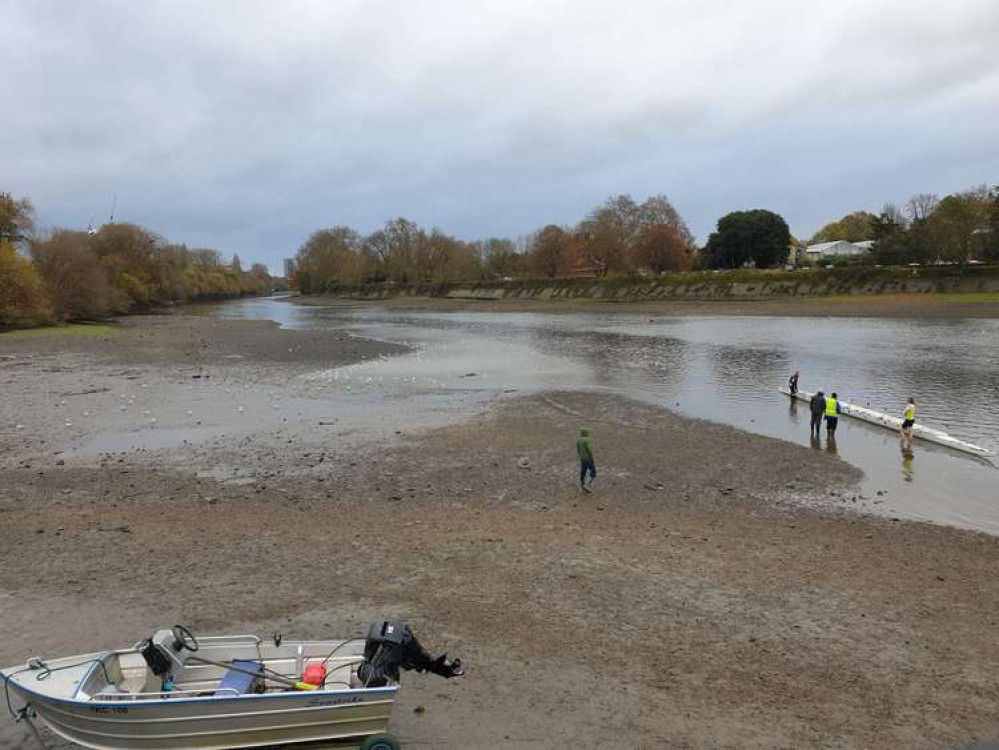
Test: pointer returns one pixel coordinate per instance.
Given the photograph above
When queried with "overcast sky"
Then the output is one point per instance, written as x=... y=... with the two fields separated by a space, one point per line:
x=246 y=125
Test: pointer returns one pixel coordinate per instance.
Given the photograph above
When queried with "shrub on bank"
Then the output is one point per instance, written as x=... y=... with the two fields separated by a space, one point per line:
x=23 y=302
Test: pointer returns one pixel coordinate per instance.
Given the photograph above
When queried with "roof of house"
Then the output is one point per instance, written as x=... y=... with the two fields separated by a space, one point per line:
x=824 y=246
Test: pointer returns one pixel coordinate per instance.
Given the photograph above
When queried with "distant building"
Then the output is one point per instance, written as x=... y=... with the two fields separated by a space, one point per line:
x=838 y=249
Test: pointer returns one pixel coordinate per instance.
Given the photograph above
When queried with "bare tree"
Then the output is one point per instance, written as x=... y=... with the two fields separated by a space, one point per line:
x=921 y=206
x=550 y=251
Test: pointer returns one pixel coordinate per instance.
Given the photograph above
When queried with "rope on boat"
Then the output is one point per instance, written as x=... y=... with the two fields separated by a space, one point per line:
x=44 y=672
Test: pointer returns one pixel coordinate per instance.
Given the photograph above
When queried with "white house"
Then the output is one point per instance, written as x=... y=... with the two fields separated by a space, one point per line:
x=837 y=249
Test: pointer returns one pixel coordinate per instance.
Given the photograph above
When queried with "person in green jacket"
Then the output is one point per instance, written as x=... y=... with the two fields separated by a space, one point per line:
x=584 y=449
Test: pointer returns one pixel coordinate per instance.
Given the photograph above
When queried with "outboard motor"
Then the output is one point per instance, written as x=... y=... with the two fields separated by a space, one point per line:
x=391 y=645
x=164 y=650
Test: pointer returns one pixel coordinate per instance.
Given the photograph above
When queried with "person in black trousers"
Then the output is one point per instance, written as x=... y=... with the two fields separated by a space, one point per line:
x=818 y=408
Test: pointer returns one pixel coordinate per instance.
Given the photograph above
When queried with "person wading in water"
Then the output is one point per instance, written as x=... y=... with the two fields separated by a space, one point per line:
x=833 y=410
x=584 y=449
x=818 y=408
x=908 y=420
x=792 y=383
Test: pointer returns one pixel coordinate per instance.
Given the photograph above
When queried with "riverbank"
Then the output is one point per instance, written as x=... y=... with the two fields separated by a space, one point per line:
x=716 y=590
x=975 y=284
x=932 y=306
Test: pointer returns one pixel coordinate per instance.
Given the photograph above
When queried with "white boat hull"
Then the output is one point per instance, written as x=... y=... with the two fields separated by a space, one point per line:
x=894 y=423
x=243 y=722
x=76 y=699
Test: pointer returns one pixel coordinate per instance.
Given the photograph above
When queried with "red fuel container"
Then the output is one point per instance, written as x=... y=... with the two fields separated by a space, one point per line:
x=314 y=674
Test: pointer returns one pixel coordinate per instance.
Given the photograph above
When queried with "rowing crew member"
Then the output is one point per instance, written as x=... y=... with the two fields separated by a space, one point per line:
x=908 y=420
x=792 y=383
x=818 y=407
x=833 y=410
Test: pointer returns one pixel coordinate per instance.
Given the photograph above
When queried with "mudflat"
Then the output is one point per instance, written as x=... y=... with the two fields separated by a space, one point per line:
x=716 y=589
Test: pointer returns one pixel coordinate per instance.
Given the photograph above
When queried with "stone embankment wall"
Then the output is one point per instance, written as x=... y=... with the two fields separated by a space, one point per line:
x=704 y=285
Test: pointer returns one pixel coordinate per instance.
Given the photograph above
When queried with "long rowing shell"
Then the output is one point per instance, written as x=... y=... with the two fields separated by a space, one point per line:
x=894 y=423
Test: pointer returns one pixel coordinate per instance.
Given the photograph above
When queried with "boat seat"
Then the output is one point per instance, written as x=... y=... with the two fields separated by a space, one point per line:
x=240 y=681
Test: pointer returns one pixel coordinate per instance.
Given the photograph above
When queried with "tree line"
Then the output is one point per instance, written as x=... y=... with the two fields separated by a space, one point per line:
x=957 y=228
x=73 y=275
x=618 y=236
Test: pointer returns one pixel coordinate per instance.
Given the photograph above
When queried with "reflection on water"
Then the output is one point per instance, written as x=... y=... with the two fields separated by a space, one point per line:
x=723 y=369
x=831 y=444
x=908 y=460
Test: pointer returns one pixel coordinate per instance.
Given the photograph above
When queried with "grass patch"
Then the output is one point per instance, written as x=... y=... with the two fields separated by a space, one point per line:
x=968 y=296
x=75 y=330
x=973 y=297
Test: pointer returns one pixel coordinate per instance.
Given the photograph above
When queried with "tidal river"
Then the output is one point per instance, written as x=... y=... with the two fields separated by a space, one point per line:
x=725 y=369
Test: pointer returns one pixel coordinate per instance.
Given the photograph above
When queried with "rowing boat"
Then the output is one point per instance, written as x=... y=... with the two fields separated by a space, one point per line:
x=880 y=419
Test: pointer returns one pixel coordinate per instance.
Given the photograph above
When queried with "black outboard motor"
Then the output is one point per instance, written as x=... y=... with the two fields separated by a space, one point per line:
x=391 y=645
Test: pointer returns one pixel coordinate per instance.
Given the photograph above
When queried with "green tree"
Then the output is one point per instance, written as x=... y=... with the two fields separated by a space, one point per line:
x=757 y=237
x=960 y=222
x=991 y=242
x=890 y=229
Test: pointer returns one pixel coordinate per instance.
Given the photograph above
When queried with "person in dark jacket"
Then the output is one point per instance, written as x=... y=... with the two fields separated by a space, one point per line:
x=584 y=449
x=792 y=383
x=818 y=408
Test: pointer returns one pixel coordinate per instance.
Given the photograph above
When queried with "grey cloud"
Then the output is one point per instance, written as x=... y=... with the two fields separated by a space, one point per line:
x=245 y=125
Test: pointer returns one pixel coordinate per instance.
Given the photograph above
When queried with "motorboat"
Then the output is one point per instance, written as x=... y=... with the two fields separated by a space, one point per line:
x=176 y=691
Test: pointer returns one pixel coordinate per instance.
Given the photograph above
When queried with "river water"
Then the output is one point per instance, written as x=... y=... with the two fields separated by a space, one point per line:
x=725 y=369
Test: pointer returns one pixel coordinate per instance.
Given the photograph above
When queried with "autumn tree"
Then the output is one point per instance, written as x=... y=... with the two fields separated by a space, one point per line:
x=854 y=227
x=23 y=301
x=663 y=242
x=17 y=218
x=551 y=250
x=664 y=248
x=499 y=258
x=330 y=256
x=75 y=278
x=608 y=233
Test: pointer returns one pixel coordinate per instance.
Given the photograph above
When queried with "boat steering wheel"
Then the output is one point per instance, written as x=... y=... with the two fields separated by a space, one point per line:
x=184 y=638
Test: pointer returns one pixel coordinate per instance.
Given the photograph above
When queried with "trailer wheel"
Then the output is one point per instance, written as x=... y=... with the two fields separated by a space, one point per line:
x=381 y=742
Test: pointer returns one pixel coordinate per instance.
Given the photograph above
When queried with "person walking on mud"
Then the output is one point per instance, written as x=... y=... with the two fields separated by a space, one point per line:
x=584 y=449
x=818 y=408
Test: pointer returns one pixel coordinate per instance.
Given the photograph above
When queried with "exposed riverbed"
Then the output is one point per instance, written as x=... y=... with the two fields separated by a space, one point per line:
x=725 y=369
x=712 y=592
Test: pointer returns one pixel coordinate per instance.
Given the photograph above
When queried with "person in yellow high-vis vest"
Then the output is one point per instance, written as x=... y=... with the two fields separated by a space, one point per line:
x=908 y=420
x=833 y=410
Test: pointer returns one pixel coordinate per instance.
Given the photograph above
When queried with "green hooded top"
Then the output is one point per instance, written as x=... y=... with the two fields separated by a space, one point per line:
x=583 y=447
